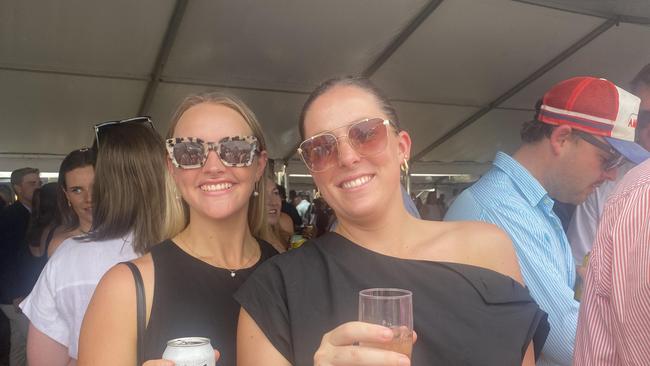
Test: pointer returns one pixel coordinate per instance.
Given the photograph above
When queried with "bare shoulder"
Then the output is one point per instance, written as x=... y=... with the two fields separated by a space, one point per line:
x=481 y=244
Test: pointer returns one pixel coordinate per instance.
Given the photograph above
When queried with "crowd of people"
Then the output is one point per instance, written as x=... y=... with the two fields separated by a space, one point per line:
x=144 y=239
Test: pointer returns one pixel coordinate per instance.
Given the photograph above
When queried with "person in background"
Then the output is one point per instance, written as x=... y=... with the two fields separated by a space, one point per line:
x=583 y=130
x=74 y=197
x=300 y=308
x=432 y=210
x=289 y=209
x=280 y=225
x=582 y=227
x=131 y=202
x=43 y=221
x=217 y=157
x=14 y=221
x=6 y=196
x=304 y=208
x=614 y=322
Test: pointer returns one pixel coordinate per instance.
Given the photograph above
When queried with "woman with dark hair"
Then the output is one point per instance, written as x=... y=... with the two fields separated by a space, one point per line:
x=42 y=224
x=130 y=205
x=74 y=198
x=469 y=303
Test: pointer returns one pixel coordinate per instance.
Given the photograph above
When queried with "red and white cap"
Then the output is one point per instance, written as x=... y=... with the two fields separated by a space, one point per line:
x=598 y=107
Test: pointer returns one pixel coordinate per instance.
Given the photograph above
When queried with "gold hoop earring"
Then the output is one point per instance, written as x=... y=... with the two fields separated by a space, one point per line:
x=405 y=166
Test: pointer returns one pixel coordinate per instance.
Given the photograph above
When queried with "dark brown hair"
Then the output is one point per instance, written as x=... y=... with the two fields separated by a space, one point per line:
x=357 y=81
x=535 y=130
x=76 y=159
x=18 y=175
x=129 y=192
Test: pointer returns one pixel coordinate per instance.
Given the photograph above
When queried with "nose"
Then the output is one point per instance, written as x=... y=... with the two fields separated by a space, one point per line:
x=213 y=164
x=610 y=174
x=88 y=196
x=347 y=155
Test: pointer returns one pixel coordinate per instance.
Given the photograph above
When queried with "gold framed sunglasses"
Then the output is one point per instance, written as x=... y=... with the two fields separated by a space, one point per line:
x=367 y=137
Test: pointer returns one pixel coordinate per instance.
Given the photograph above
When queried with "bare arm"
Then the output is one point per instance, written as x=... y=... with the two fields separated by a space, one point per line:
x=253 y=348
x=44 y=351
x=337 y=347
x=108 y=333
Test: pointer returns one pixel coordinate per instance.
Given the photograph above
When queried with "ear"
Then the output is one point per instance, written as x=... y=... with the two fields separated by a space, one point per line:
x=170 y=166
x=404 y=145
x=261 y=164
x=560 y=139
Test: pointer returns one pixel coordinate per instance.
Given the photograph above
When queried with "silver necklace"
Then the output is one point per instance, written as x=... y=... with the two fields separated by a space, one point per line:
x=233 y=272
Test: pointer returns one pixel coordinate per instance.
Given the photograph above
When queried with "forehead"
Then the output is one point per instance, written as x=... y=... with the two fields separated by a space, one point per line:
x=211 y=122
x=78 y=176
x=340 y=106
x=31 y=177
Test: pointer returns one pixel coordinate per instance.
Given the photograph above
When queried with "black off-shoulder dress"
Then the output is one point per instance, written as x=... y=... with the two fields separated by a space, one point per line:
x=463 y=315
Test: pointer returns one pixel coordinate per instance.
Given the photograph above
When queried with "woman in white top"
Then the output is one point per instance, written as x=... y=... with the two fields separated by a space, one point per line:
x=130 y=197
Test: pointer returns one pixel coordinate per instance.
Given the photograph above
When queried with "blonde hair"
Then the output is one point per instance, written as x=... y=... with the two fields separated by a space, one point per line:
x=256 y=204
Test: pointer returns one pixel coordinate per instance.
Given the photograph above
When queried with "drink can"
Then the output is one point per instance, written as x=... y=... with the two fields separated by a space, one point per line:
x=190 y=351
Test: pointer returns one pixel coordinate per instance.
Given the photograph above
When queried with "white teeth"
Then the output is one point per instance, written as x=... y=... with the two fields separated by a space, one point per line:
x=356 y=182
x=215 y=187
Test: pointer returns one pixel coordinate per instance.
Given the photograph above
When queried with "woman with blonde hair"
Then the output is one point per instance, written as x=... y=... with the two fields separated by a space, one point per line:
x=217 y=156
x=128 y=216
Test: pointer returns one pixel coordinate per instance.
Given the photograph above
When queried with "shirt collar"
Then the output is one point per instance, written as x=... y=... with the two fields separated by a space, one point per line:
x=521 y=178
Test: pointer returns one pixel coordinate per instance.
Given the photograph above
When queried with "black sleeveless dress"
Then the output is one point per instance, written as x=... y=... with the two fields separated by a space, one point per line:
x=463 y=315
x=194 y=299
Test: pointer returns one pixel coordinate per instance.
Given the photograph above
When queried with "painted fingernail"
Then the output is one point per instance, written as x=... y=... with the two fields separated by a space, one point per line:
x=403 y=361
x=387 y=333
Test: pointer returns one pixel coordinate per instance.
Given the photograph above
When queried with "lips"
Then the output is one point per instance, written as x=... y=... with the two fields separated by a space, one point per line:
x=356 y=182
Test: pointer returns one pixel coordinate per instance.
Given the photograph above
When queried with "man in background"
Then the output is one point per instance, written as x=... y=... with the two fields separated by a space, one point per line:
x=14 y=220
x=582 y=227
x=583 y=130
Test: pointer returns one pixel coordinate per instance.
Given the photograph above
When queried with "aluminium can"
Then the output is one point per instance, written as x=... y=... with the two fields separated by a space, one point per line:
x=190 y=351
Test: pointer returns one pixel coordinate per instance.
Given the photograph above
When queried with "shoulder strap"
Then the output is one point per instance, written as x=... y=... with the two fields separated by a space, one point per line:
x=141 y=308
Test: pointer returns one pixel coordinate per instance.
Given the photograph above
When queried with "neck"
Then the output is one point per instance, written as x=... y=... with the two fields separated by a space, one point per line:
x=25 y=202
x=535 y=158
x=385 y=233
x=226 y=243
x=84 y=226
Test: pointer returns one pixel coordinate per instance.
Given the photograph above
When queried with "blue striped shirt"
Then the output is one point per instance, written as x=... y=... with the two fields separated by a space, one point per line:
x=511 y=198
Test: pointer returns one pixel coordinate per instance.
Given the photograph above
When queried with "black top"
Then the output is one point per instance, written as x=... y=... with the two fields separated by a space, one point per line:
x=463 y=315
x=290 y=210
x=14 y=220
x=31 y=267
x=194 y=299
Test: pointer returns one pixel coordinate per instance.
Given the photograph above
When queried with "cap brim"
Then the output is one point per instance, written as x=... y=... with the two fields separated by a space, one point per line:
x=631 y=150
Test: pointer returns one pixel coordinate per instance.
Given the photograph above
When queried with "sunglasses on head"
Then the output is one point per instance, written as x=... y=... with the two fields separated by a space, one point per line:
x=98 y=127
x=615 y=159
x=367 y=137
x=191 y=152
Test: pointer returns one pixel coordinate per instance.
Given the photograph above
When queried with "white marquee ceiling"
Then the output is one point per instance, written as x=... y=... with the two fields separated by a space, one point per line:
x=463 y=74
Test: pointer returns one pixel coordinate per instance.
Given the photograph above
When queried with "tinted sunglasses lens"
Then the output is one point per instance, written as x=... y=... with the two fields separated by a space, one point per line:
x=319 y=152
x=236 y=153
x=615 y=162
x=368 y=137
x=189 y=154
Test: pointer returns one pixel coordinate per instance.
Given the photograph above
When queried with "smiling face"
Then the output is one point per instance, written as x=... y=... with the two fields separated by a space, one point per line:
x=79 y=189
x=357 y=188
x=215 y=190
x=273 y=202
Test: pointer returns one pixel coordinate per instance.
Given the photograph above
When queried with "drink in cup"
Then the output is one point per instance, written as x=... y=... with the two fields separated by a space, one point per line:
x=391 y=308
